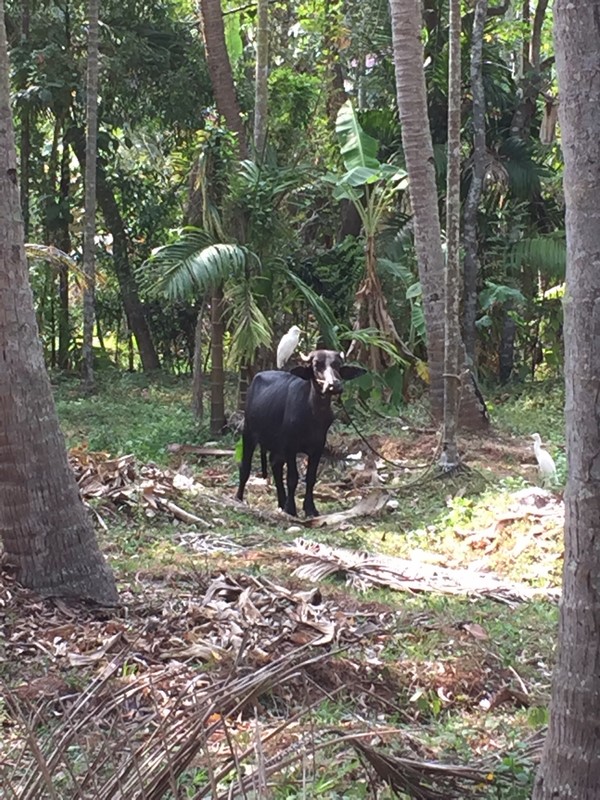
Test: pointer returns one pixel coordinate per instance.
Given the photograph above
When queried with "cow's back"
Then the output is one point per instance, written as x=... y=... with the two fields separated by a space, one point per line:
x=278 y=413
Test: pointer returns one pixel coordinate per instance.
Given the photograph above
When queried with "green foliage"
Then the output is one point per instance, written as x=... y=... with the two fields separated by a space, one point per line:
x=128 y=415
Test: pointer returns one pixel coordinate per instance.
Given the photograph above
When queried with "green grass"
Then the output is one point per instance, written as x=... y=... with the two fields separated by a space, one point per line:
x=129 y=414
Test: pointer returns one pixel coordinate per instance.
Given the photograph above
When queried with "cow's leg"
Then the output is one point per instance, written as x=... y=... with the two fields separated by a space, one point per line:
x=277 y=467
x=248 y=446
x=292 y=483
x=311 y=478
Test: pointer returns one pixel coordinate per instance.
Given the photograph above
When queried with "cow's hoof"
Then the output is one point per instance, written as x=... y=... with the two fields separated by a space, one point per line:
x=290 y=509
x=311 y=513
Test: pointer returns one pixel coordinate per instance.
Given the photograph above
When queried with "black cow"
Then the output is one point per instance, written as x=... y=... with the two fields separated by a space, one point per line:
x=289 y=413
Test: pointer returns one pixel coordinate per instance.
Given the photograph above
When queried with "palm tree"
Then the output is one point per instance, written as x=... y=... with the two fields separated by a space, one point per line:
x=91 y=149
x=420 y=164
x=570 y=766
x=44 y=526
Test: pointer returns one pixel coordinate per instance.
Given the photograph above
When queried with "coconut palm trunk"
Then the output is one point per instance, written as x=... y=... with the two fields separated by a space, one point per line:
x=44 y=527
x=418 y=152
x=570 y=765
x=89 y=224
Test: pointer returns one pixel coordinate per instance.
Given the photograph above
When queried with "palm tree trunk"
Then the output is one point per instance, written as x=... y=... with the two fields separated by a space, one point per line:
x=479 y=161
x=570 y=766
x=219 y=69
x=89 y=224
x=449 y=458
x=64 y=243
x=198 y=372
x=44 y=526
x=217 y=375
x=261 y=89
x=418 y=151
x=25 y=143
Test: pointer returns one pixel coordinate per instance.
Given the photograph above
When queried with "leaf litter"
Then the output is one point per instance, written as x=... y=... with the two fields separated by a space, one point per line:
x=233 y=645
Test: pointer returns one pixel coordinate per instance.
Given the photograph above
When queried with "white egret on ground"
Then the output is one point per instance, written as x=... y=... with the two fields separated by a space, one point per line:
x=287 y=345
x=546 y=465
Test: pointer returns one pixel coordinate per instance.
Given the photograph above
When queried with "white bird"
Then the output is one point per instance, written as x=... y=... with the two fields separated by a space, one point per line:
x=546 y=465
x=287 y=345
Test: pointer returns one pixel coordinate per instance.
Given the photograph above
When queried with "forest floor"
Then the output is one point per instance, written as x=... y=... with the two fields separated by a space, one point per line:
x=255 y=655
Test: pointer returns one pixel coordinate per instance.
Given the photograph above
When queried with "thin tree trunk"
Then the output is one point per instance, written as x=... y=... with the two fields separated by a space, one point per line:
x=198 y=373
x=132 y=304
x=89 y=224
x=479 y=166
x=64 y=243
x=44 y=527
x=418 y=151
x=449 y=457
x=570 y=766
x=261 y=89
x=217 y=376
x=219 y=69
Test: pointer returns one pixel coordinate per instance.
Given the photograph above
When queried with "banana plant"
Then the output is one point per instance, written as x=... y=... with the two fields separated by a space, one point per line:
x=371 y=186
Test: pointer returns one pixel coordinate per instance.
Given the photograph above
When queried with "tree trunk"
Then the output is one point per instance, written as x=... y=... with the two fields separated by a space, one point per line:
x=219 y=69
x=198 y=372
x=261 y=89
x=134 y=309
x=64 y=244
x=89 y=217
x=217 y=375
x=449 y=459
x=479 y=166
x=506 y=352
x=570 y=765
x=44 y=527
x=418 y=151
x=25 y=143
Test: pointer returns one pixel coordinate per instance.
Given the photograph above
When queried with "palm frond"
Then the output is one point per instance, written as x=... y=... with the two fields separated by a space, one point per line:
x=250 y=328
x=544 y=254
x=192 y=263
x=320 y=308
x=372 y=337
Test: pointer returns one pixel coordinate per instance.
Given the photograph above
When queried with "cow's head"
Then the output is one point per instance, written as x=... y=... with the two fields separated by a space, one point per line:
x=327 y=370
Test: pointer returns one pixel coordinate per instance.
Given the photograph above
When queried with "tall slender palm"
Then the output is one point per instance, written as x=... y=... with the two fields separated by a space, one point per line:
x=420 y=164
x=452 y=380
x=91 y=149
x=570 y=765
x=261 y=87
x=44 y=527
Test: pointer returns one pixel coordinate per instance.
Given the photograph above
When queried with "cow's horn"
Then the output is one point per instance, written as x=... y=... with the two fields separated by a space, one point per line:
x=304 y=358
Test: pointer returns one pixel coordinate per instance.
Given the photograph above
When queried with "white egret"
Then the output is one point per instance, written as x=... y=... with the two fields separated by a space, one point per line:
x=287 y=345
x=546 y=465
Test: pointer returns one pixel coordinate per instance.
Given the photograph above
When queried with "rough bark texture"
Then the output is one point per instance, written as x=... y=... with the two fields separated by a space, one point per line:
x=219 y=69
x=43 y=524
x=64 y=243
x=198 y=371
x=217 y=376
x=449 y=457
x=25 y=143
x=89 y=217
x=479 y=165
x=134 y=310
x=418 y=151
x=570 y=765
x=261 y=89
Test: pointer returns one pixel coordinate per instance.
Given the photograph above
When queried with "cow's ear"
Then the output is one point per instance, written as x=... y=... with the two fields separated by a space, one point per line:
x=348 y=373
x=302 y=372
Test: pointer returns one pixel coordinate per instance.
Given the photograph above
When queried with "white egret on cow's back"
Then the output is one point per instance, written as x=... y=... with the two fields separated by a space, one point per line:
x=546 y=465
x=287 y=345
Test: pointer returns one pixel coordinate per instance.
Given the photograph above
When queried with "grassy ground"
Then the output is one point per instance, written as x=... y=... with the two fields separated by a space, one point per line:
x=458 y=679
